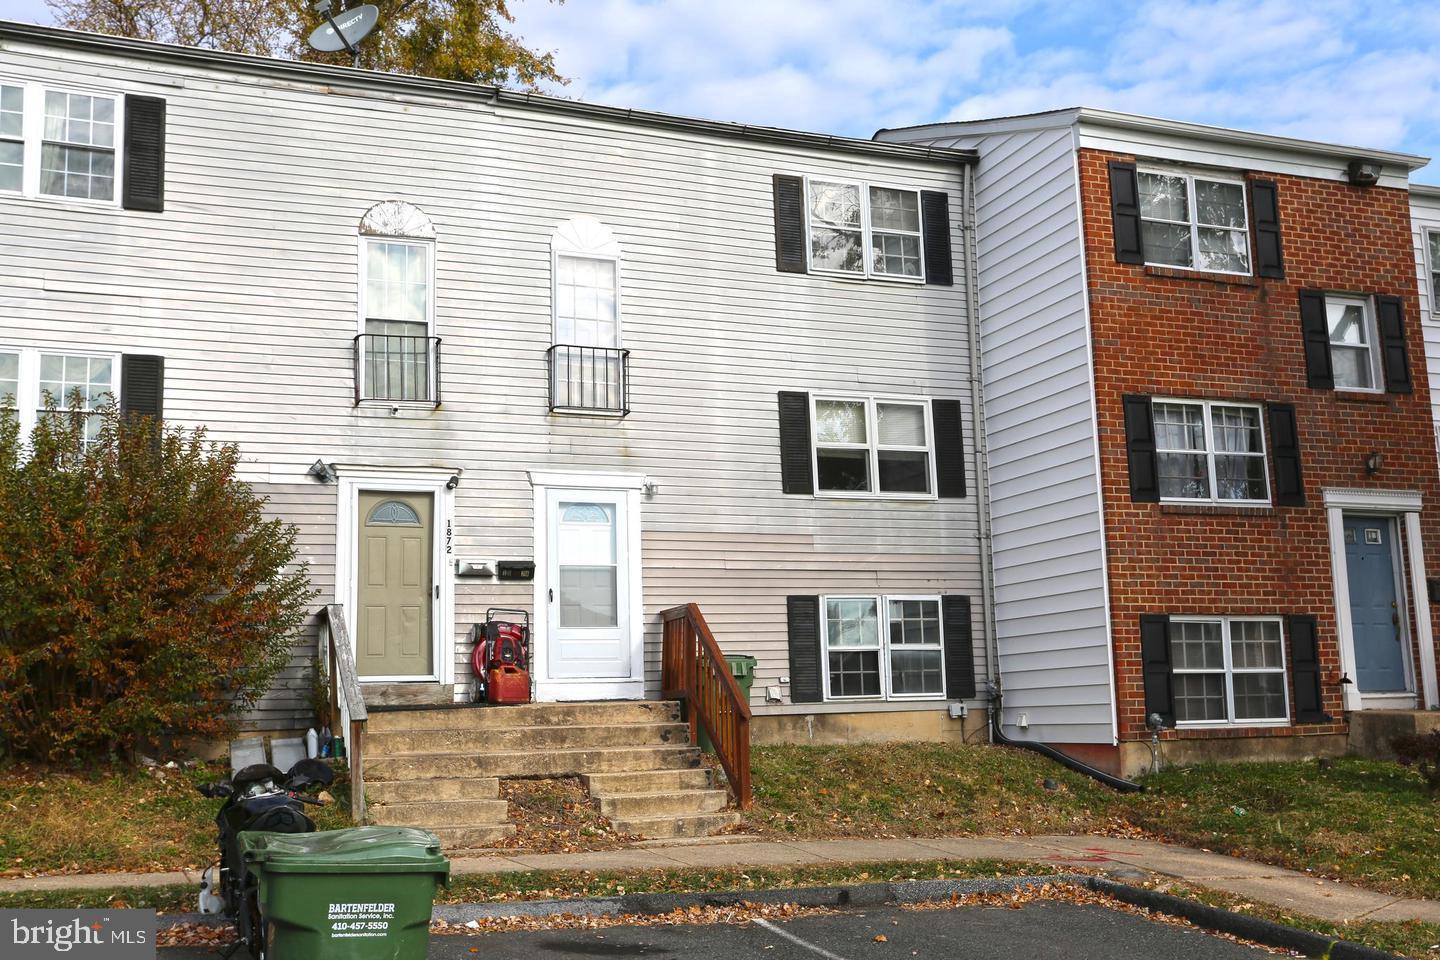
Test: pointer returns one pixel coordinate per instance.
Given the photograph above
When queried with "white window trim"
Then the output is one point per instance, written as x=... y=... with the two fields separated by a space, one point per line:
x=1210 y=453
x=27 y=390
x=1372 y=340
x=1431 y=268
x=866 y=272
x=32 y=133
x=1231 y=671
x=883 y=649
x=1194 y=222
x=363 y=273
x=872 y=444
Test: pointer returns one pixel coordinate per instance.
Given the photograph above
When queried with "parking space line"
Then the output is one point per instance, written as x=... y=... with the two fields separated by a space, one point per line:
x=797 y=940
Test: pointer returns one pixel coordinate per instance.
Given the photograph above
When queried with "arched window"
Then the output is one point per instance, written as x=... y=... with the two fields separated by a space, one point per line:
x=393 y=513
x=397 y=302
x=587 y=361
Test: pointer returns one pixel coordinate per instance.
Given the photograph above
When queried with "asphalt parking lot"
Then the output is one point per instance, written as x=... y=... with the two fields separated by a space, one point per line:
x=1037 y=931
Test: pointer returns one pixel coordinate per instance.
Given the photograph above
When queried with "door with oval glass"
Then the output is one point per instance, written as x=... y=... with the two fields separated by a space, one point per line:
x=396 y=589
x=1375 y=616
x=588 y=586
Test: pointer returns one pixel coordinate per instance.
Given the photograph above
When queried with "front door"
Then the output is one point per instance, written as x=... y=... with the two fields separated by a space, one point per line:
x=588 y=586
x=1375 y=605
x=395 y=632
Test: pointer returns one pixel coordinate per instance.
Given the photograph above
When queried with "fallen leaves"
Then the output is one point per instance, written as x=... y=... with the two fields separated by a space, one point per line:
x=734 y=913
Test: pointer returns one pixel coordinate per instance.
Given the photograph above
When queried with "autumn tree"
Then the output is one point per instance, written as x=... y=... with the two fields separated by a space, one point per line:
x=465 y=40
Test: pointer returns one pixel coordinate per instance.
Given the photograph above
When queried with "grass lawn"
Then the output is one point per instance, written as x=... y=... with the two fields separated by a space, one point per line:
x=114 y=818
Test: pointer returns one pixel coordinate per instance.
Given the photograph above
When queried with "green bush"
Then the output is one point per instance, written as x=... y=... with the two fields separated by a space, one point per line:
x=142 y=590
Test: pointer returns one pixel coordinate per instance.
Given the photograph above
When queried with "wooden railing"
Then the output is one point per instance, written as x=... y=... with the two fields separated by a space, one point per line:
x=694 y=672
x=347 y=704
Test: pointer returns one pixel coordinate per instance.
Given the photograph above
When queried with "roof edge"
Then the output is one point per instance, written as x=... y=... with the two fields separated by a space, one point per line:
x=15 y=31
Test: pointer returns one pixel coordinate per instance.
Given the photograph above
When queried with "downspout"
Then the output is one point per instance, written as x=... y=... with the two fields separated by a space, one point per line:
x=1064 y=759
x=982 y=454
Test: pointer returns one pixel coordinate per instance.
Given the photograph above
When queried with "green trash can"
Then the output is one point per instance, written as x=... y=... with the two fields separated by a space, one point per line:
x=742 y=668
x=359 y=894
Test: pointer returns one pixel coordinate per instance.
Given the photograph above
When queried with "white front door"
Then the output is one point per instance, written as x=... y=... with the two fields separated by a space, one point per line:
x=587 y=586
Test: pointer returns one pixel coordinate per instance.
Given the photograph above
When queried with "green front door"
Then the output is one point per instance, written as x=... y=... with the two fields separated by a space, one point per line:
x=395 y=633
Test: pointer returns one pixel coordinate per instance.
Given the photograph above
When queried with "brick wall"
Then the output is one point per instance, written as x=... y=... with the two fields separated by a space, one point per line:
x=1161 y=331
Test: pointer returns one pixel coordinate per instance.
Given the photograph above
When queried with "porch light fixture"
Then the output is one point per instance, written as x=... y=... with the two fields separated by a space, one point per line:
x=650 y=487
x=322 y=471
x=1373 y=463
x=453 y=482
x=1362 y=173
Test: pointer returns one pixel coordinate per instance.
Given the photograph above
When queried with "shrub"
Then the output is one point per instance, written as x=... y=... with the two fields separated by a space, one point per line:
x=1421 y=751
x=142 y=590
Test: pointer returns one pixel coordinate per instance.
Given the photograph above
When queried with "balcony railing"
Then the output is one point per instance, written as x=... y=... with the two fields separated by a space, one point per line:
x=593 y=380
x=397 y=368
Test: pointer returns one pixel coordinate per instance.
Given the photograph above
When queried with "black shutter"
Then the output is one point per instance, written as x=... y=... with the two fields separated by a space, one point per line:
x=935 y=222
x=797 y=474
x=1140 y=442
x=1315 y=332
x=1125 y=212
x=1155 y=658
x=959 y=648
x=1285 y=451
x=803 y=617
x=949 y=448
x=142 y=386
x=1265 y=210
x=144 y=187
x=1305 y=670
x=789 y=224
x=1391 y=315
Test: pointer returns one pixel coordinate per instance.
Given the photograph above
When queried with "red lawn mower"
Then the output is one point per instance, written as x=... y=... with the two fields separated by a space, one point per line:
x=500 y=658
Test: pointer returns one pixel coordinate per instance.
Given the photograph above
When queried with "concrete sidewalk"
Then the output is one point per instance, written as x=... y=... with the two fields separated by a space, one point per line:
x=1287 y=889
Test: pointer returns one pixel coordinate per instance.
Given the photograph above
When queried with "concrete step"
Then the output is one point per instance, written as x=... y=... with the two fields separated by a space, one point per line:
x=543 y=737
x=652 y=781
x=1372 y=730
x=440 y=813
x=693 y=825
x=438 y=788
x=529 y=763
x=472 y=837
x=603 y=713
x=653 y=806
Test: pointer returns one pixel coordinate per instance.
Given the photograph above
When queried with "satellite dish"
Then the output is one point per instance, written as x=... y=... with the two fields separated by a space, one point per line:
x=344 y=30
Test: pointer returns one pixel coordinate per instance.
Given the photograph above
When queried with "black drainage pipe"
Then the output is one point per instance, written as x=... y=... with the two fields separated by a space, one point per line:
x=1064 y=759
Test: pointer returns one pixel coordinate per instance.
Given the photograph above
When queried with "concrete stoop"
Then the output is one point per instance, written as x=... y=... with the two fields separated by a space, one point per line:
x=441 y=768
x=1372 y=730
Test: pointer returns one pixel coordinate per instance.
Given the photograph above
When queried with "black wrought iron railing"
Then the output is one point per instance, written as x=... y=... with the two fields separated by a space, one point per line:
x=593 y=380
x=397 y=368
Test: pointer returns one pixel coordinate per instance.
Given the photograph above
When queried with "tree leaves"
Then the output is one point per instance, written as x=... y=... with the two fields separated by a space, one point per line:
x=463 y=40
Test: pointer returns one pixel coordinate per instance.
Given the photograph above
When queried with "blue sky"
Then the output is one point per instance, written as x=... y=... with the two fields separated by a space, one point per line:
x=1346 y=72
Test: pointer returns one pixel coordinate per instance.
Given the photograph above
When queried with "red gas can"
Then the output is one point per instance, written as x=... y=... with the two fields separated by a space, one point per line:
x=507 y=684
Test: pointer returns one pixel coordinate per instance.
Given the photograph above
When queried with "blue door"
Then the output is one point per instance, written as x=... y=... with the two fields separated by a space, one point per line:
x=1374 y=607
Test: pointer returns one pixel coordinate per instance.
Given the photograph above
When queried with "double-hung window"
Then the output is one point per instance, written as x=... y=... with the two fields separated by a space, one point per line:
x=398 y=308
x=864 y=230
x=1353 y=354
x=31 y=381
x=1228 y=670
x=879 y=647
x=587 y=361
x=1432 y=269
x=1194 y=221
x=1210 y=452
x=59 y=143
x=873 y=446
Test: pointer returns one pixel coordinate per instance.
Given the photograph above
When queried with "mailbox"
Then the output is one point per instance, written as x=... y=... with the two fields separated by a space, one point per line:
x=515 y=569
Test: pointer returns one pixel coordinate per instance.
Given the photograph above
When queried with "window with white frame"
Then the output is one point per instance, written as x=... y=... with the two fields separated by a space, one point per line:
x=864 y=229
x=587 y=359
x=1432 y=262
x=1228 y=670
x=12 y=137
x=1354 y=357
x=872 y=445
x=883 y=647
x=1194 y=221
x=31 y=381
x=1210 y=452
x=398 y=306
x=77 y=152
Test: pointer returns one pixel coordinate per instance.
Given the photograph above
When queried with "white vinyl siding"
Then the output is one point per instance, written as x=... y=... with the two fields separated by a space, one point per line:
x=1210 y=452
x=1195 y=221
x=1229 y=671
x=248 y=286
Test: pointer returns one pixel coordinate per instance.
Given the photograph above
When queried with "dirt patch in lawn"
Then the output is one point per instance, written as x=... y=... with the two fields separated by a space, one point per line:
x=556 y=816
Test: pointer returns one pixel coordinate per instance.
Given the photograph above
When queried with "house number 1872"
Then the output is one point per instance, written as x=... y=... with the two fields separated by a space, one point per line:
x=449 y=536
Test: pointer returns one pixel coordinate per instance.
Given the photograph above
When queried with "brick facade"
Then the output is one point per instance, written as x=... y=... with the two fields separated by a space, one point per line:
x=1167 y=332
